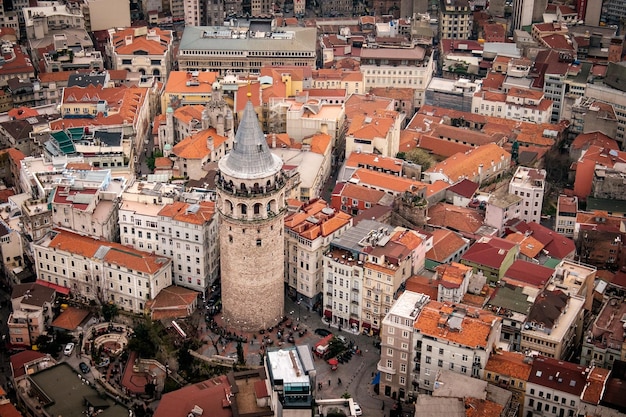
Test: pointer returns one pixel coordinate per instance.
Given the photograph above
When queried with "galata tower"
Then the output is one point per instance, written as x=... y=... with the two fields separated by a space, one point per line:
x=251 y=202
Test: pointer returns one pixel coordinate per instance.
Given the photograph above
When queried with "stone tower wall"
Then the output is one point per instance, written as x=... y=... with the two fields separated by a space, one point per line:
x=252 y=251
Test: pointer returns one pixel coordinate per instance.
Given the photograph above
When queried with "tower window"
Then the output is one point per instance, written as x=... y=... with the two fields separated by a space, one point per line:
x=258 y=242
x=230 y=239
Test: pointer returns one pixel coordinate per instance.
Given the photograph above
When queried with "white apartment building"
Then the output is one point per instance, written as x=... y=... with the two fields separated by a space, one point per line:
x=529 y=184
x=143 y=50
x=98 y=270
x=397 y=344
x=448 y=336
x=188 y=234
x=517 y=104
x=31 y=313
x=566 y=210
x=398 y=68
x=308 y=233
x=502 y=208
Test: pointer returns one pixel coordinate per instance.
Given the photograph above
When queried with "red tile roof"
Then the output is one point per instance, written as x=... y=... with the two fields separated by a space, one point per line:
x=209 y=395
x=599 y=139
x=20 y=359
x=571 y=378
x=423 y=285
x=327 y=220
x=464 y=188
x=521 y=273
x=156 y=44
x=489 y=252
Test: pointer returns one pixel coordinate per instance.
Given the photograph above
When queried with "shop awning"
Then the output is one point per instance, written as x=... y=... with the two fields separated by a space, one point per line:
x=58 y=288
x=376 y=379
x=367 y=325
x=354 y=322
x=328 y=314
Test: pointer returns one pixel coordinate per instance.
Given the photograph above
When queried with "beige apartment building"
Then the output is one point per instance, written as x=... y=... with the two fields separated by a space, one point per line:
x=142 y=50
x=308 y=233
x=421 y=337
x=397 y=345
x=31 y=313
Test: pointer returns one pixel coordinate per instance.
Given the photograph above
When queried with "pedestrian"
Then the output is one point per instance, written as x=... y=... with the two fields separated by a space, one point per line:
x=338 y=381
x=329 y=382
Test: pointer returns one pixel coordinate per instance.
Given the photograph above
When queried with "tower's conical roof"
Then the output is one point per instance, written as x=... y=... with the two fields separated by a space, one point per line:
x=250 y=156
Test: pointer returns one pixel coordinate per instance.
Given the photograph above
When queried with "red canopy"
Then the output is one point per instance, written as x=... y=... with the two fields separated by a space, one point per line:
x=333 y=361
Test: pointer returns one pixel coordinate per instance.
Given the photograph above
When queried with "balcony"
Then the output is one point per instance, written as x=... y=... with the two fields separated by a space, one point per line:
x=355 y=289
x=385 y=369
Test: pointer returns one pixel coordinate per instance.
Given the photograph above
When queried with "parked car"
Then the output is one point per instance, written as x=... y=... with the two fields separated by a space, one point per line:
x=357 y=410
x=83 y=367
x=69 y=348
x=322 y=332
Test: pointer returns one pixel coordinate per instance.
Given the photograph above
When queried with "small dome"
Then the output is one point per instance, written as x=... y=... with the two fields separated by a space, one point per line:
x=167 y=147
x=216 y=85
x=169 y=110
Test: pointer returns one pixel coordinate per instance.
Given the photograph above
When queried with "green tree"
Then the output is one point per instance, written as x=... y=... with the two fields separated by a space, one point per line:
x=109 y=311
x=185 y=360
x=420 y=157
x=145 y=340
x=240 y=359
x=151 y=160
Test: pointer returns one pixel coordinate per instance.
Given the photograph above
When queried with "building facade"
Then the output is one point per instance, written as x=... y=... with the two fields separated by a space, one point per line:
x=529 y=184
x=101 y=271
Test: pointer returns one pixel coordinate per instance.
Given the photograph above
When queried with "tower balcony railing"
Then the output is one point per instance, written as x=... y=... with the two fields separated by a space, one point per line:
x=229 y=187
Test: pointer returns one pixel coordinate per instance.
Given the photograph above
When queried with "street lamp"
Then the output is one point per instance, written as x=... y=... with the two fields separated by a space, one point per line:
x=299 y=301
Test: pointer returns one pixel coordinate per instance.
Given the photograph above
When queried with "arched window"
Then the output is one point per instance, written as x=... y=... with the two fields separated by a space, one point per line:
x=229 y=207
x=257 y=208
x=243 y=209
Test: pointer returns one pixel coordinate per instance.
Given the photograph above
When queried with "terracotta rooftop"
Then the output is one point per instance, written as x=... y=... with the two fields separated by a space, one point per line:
x=177 y=82
x=567 y=204
x=196 y=146
x=596 y=382
x=599 y=139
x=199 y=213
x=366 y=104
x=208 y=395
x=20 y=359
x=155 y=42
x=70 y=319
x=116 y=254
x=512 y=364
x=188 y=113
x=374 y=162
x=315 y=220
x=445 y=244
x=456 y=218
x=381 y=180
x=529 y=246
x=423 y=285
x=440 y=147
x=172 y=302
x=464 y=188
x=361 y=193
x=452 y=275
x=465 y=165
x=465 y=326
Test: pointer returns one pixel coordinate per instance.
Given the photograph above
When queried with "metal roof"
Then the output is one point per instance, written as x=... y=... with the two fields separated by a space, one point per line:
x=250 y=157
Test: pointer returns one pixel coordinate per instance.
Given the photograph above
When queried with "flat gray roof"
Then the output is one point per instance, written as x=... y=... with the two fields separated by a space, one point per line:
x=220 y=38
x=68 y=393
